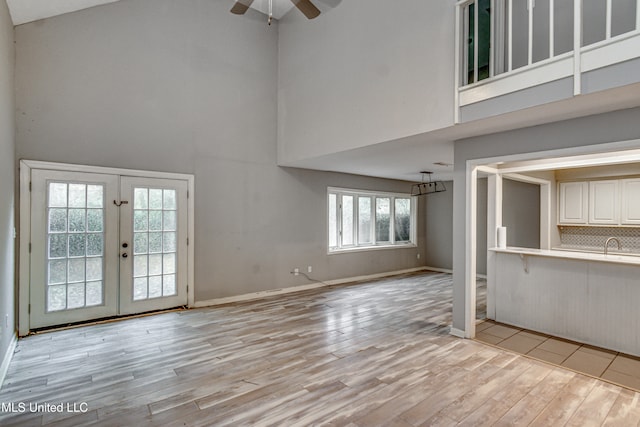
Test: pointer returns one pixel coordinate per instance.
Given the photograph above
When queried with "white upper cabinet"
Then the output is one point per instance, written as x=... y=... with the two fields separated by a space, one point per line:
x=604 y=205
x=573 y=203
x=630 y=190
x=612 y=202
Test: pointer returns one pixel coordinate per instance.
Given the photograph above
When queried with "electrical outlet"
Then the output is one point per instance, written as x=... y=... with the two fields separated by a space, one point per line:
x=309 y=269
x=296 y=271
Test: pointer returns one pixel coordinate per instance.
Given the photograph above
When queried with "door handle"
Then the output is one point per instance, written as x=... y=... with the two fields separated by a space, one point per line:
x=124 y=255
x=125 y=245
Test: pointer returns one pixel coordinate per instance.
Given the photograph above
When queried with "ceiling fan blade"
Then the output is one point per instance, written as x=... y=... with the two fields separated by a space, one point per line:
x=241 y=7
x=307 y=8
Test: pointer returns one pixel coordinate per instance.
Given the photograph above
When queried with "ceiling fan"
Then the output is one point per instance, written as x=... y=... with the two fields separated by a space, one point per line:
x=307 y=8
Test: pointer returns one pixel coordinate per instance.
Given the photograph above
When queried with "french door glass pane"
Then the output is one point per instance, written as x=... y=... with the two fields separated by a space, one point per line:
x=75 y=236
x=154 y=243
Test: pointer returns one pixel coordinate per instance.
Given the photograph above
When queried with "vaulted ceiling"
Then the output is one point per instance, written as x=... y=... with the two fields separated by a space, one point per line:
x=23 y=11
x=402 y=158
x=384 y=160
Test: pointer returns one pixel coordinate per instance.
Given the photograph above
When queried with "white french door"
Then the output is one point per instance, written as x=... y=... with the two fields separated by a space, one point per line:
x=153 y=244
x=104 y=245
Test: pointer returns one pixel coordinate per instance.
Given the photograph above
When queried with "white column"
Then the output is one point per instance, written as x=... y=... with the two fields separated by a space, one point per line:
x=510 y=19
x=470 y=262
x=552 y=17
x=494 y=220
x=577 y=45
x=608 y=22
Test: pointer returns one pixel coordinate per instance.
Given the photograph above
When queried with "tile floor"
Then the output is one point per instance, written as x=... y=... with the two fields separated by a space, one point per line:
x=609 y=365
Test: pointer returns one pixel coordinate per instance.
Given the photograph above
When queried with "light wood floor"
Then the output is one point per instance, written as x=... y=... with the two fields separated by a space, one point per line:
x=376 y=353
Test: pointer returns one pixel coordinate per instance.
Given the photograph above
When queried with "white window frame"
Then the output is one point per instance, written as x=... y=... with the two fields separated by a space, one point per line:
x=373 y=244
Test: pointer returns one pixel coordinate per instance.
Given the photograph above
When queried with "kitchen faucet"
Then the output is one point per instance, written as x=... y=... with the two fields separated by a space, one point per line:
x=606 y=244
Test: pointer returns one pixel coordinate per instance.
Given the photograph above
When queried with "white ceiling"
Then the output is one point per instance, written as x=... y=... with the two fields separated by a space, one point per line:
x=23 y=11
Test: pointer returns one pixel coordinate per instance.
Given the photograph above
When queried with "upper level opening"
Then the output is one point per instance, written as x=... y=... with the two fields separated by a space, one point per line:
x=508 y=46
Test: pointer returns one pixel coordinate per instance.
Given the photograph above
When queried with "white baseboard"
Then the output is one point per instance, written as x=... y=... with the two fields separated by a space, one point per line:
x=257 y=295
x=4 y=367
x=457 y=332
x=439 y=270
x=282 y=291
x=448 y=271
x=374 y=276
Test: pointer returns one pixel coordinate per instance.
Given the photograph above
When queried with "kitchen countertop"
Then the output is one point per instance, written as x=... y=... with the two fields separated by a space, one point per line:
x=571 y=254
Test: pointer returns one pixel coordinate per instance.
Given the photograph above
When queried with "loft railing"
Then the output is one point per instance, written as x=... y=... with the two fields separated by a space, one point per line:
x=496 y=37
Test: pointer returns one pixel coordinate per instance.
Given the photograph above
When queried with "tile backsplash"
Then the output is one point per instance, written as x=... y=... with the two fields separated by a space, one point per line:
x=593 y=238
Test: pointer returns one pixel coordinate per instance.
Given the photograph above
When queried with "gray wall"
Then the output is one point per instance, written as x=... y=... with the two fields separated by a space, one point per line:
x=439 y=228
x=7 y=169
x=363 y=73
x=439 y=221
x=188 y=87
x=622 y=125
x=521 y=213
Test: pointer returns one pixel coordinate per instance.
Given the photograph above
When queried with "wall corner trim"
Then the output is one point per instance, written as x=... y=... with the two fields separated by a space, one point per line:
x=457 y=332
x=6 y=360
x=293 y=289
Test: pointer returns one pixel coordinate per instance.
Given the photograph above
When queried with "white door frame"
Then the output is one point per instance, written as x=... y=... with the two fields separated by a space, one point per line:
x=608 y=153
x=24 y=274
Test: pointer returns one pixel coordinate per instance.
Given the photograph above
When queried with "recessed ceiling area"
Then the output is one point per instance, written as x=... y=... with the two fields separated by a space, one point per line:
x=596 y=159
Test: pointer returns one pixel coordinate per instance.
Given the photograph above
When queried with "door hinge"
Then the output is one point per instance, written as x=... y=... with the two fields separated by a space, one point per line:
x=30 y=186
x=29 y=247
x=187 y=241
x=29 y=309
x=187 y=194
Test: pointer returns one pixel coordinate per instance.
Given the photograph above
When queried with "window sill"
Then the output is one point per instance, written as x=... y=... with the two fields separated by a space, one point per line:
x=371 y=248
